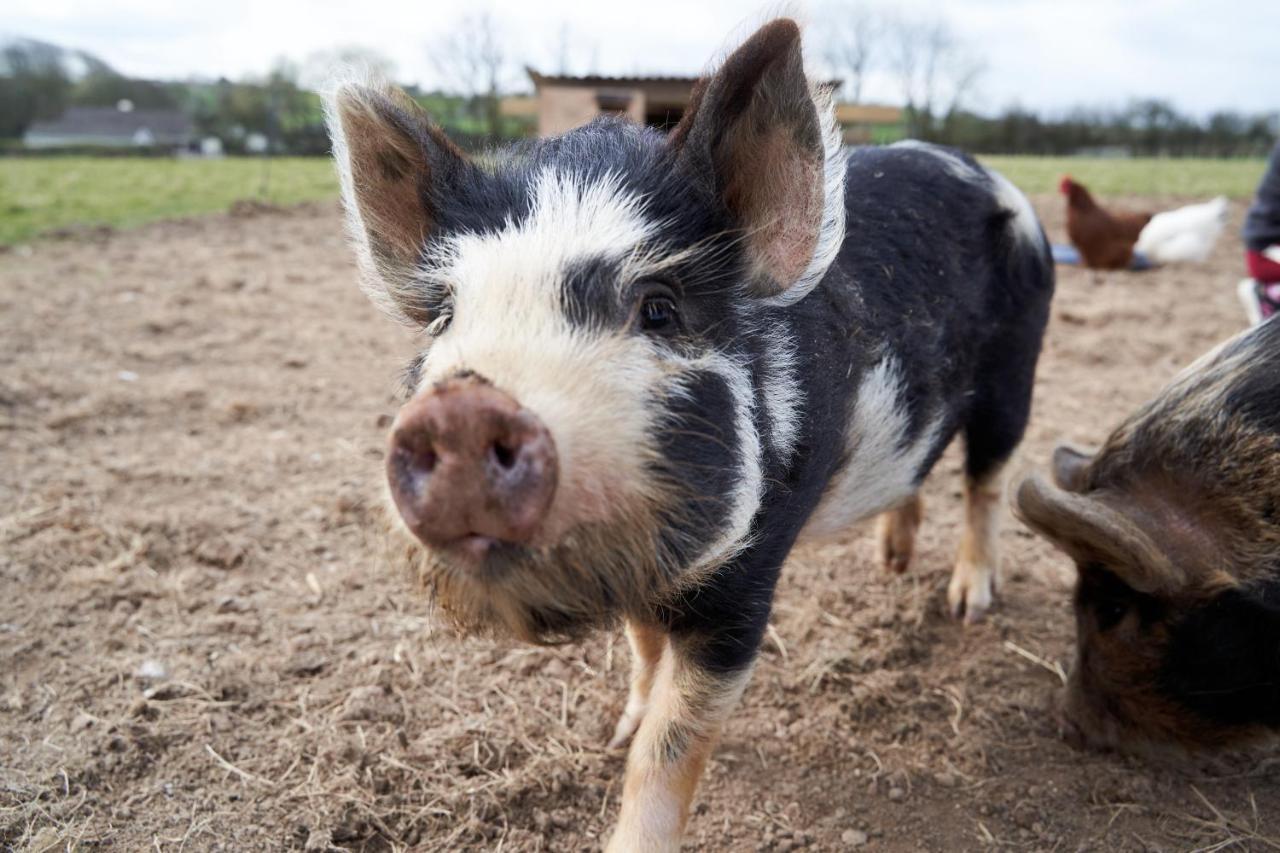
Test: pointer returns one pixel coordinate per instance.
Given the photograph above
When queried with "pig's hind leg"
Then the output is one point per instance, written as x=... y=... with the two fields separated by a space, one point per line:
x=896 y=534
x=977 y=571
x=992 y=432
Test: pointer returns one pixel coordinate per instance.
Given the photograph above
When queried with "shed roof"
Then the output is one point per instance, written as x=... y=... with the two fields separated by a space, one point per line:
x=638 y=81
x=540 y=79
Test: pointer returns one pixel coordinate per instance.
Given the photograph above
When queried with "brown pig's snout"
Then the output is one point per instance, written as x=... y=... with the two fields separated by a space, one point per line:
x=467 y=466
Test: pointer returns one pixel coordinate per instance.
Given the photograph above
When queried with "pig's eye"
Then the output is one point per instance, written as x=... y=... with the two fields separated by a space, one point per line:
x=658 y=315
x=1110 y=612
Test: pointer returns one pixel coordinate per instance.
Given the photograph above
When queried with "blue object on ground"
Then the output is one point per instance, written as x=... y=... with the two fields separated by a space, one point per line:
x=1064 y=253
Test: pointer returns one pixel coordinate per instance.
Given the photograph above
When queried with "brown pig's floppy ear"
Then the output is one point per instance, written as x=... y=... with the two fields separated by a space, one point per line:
x=391 y=162
x=1069 y=467
x=1090 y=531
x=765 y=141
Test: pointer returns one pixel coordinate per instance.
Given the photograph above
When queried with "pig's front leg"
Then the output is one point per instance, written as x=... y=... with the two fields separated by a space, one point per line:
x=687 y=706
x=647 y=642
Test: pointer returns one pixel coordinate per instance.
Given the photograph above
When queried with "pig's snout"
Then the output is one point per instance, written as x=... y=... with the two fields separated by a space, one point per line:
x=469 y=467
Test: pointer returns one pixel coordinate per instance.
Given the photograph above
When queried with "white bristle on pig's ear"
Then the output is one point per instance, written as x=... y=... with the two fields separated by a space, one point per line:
x=746 y=26
x=767 y=133
x=831 y=235
x=344 y=82
x=381 y=169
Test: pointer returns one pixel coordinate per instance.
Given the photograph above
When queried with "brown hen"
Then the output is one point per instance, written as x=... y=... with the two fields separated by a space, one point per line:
x=1104 y=238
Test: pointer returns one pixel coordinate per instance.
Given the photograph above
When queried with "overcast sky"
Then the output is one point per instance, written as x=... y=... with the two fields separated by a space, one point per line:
x=1040 y=53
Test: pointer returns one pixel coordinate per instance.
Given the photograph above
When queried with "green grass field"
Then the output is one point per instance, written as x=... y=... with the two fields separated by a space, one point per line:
x=39 y=195
x=1139 y=176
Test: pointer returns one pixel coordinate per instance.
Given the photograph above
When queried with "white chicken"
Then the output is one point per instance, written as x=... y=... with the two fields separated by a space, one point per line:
x=1185 y=234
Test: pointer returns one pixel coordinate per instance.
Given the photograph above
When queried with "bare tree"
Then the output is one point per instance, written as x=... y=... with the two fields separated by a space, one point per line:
x=934 y=70
x=852 y=33
x=471 y=60
x=965 y=71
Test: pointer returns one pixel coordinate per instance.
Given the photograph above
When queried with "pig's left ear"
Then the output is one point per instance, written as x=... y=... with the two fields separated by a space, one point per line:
x=1091 y=531
x=1070 y=466
x=393 y=163
x=767 y=144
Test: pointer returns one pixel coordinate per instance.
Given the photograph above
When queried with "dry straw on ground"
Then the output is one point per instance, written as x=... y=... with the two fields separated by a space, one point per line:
x=202 y=649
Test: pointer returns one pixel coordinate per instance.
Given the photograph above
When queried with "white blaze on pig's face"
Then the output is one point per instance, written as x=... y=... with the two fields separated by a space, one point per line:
x=595 y=388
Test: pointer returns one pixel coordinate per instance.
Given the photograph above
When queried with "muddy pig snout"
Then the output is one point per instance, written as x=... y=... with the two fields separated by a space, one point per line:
x=469 y=467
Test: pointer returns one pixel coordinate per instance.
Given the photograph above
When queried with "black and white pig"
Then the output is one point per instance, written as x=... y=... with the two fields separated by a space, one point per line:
x=1174 y=526
x=656 y=362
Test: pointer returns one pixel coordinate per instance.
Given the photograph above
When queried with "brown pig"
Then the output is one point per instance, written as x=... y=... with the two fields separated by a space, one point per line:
x=1174 y=526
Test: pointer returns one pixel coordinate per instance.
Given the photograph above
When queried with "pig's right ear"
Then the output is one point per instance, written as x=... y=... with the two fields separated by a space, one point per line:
x=764 y=140
x=1091 y=531
x=1069 y=466
x=392 y=163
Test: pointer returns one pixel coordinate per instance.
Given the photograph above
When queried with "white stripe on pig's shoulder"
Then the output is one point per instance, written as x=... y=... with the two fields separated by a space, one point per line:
x=881 y=471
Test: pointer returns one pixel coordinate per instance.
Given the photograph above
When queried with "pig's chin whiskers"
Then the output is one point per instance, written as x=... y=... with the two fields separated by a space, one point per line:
x=559 y=592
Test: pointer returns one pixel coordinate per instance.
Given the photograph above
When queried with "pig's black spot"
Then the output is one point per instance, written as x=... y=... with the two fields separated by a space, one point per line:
x=699 y=452
x=589 y=293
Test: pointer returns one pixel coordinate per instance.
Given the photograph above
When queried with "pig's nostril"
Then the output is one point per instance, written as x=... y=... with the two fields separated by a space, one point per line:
x=504 y=455
x=416 y=458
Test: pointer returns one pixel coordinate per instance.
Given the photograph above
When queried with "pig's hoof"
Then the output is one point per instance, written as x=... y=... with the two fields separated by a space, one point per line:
x=894 y=563
x=626 y=727
x=970 y=594
x=895 y=540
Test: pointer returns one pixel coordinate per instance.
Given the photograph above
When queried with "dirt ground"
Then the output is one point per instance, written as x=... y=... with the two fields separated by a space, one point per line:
x=201 y=647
